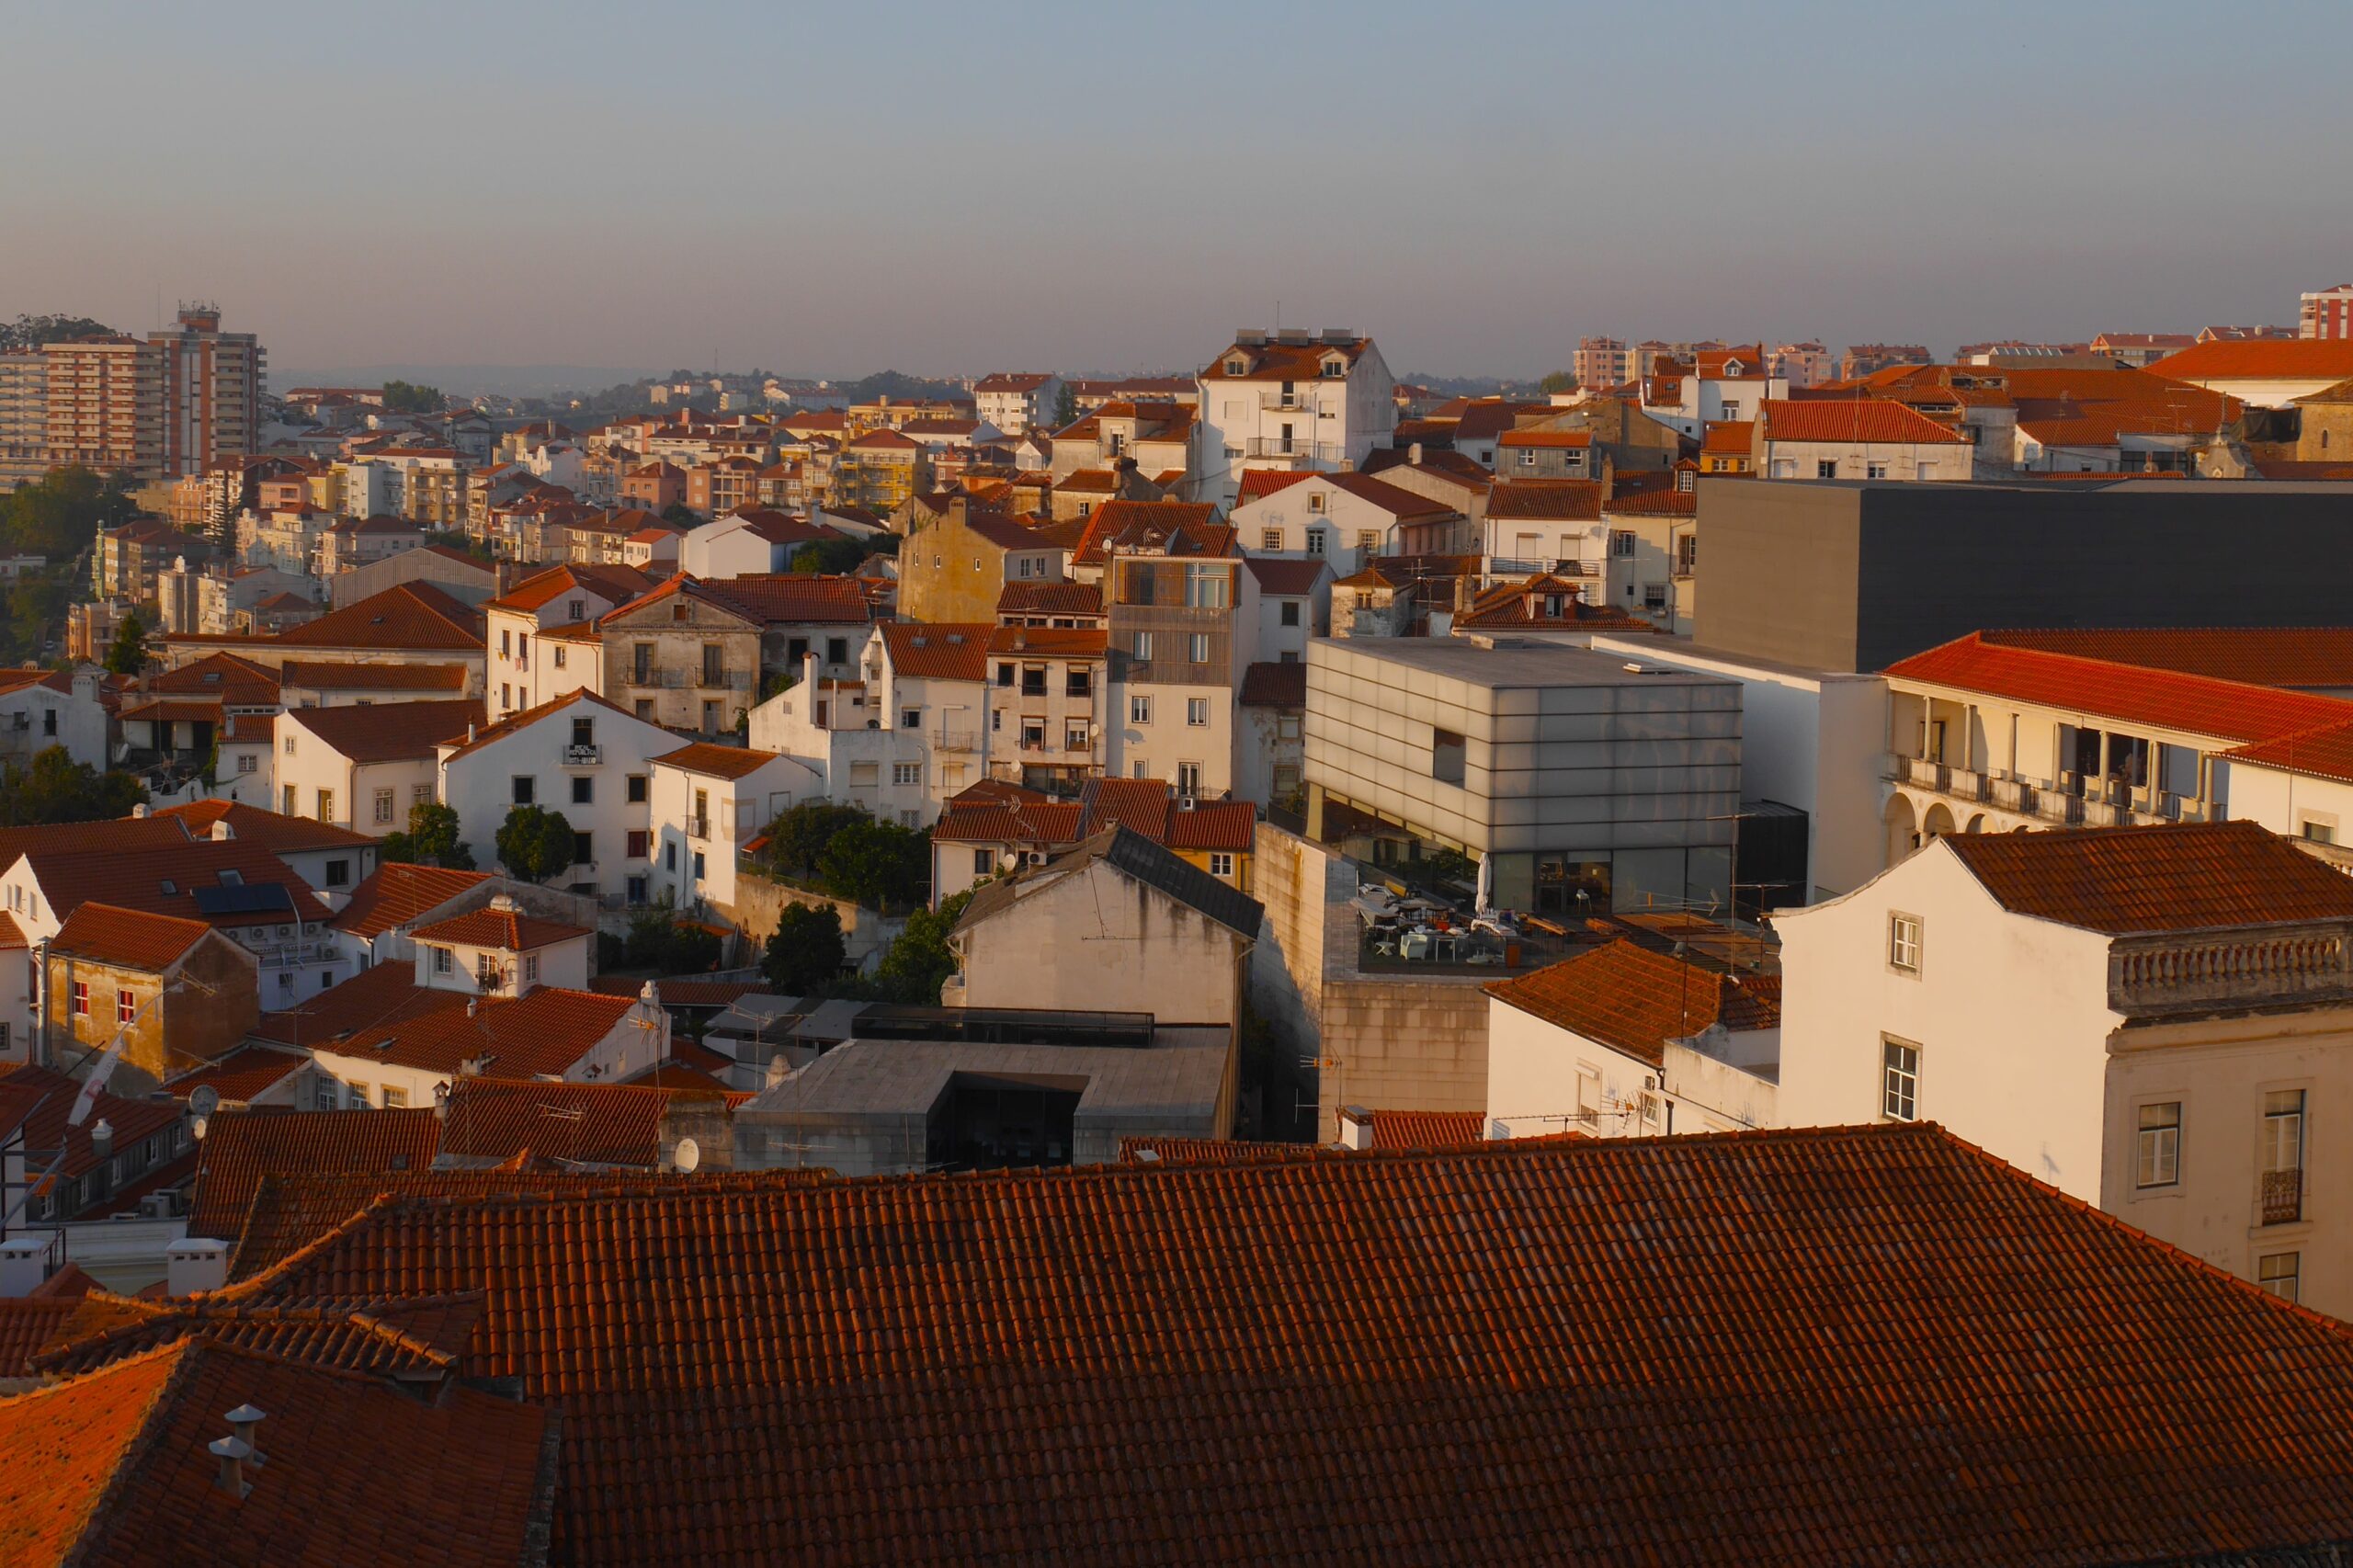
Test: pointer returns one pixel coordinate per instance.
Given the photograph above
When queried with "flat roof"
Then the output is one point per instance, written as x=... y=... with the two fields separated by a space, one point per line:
x=1508 y=662
x=1179 y=1077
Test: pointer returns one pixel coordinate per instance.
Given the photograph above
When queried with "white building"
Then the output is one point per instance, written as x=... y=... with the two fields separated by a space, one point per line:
x=579 y=754
x=524 y=669
x=1013 y=400
x=709 y=800
x=1345 y=519
x=503 y=950
x=364 y=767
x=1859 y=438
x=1292 y=399
x=554 y=1034
x=2155 y=1020
x=747 y=543
x=898 y=742
x=1726 y=384
x=1621 y=1041
x=40 y=708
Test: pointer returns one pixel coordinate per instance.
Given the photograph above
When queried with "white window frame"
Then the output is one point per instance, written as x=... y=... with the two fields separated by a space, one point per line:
x=1899 y=1079
x=2157 y=1147
x=1904 y=932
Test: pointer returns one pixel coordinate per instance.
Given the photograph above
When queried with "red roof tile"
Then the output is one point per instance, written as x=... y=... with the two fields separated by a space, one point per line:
x=1634 y=1000
x=2322 y=753
x=2191 y=703
x=505 y=928
x=1268 y=684
x=237 y=1077
x=1051 y=598
x=544 y=1034
x=716 y=761
x=614 y=584
x=1176 y=527
x=126 y=939
x=2099 y=1397
x=1051 y=642
x=2259 y=655
x=2292 y=358
x=1426 y=1128
x=524 y=717
x=1567 y=500
x=1872 y=421
x=2184 y=877
x=939 y=649
x=325 y=674
x=241 y=1147
x=410 y=616
x=165 y=878
x=279 y=833
x=395 y=895
x=594 y=1124
x=1284 y=576
x=389 y=732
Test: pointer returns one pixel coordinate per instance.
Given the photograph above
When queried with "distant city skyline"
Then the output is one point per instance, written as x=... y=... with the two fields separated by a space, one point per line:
x=1078 y=188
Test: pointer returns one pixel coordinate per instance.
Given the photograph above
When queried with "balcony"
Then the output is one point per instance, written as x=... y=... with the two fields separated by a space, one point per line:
x=1300 y=401
x=699 y=828
x=2153 y=976
x=1297 y=451
x=2072 y=801
x=945 y=738
x=1530 y=566
x=2283 y=1197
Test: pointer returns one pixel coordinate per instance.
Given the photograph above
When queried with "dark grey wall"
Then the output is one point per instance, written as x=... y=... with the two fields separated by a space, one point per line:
x=1904 y=567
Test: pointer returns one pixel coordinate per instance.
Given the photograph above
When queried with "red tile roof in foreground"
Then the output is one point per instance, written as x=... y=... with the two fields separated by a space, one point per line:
x=241 y=1147
x=126 y=938
x=274 y=831
x=596 y=1124
x=237 y=1077
x=1775 y=1348
x=1870 y=421
x=110 y=1468
x=388 y=732
x=1426 y=1128
x=395 y=895
x=505 y=928
x=1633 y=1000
x=939 y=649
x=2100 y=689
x=2259 y=655
x=2176 y=876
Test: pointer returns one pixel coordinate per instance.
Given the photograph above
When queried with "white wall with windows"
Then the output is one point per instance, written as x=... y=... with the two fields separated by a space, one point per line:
x=702 y=818
x=587 y=760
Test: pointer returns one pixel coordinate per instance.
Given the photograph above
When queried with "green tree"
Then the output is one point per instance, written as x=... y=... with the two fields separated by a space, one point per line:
x=535 y=843
x=129 y=654
x=34 y=332
x=678 y=514
x=800 y=834
x=690 y=950
x=805 y=953
x=830 y=556
x=406 y=397
x=59 y=516
x=917 y=961
x=1558 y=381
x=1065 y=408
x=54 y=787
x=877 y=863
x=431 y=838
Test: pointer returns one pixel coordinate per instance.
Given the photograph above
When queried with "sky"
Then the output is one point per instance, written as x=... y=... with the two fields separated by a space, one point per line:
x=954 y=189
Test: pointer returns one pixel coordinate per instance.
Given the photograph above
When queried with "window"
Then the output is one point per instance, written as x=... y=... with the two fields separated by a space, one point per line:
x=81 y=998
x=338 y=873
x=1075 y=736
x=1315 y=502
x=421 y=796
x=285 y=800
x=1369 y=541
x=577 y=609
x=906 y=773
x=1078 y=681
x=1188 y=777
x=911 y=718
x=983 y=862
x=1286 y=726
x=383 y=805
x=638 y=841
x=246 y=763
x=326 y=806
x=2319 y=832
x=1621 y=543
x=289 y=745
x=1033 y=734
x=643 y=708
x=1825 y=467
x=698 y=865
x=584 y=792
x=396 y=1098
x=1205 y=587
x=1144 y=644
x=559 y=655
x=1196 y=711
x=1316 y=538
x=49 y=721
x=442 y=960
x=636 y=891
x=1270 y=540
x=669 y=856
x=584 y=849
x=1033 y=680
x=1139 y=710
x=523 y=790
x=532 y=968
x=2158 y=1156
x=1875 y=471
x=837 y=650
x=1198 y=648
x=637 y=789
x=1900 y=1080
x=505 y=694
x=1904 y=942
x=505 y=642
x=1732 y=408
x=355 y=1096
x=1221 y=865
x=2279 y=1273
x=1527 y=457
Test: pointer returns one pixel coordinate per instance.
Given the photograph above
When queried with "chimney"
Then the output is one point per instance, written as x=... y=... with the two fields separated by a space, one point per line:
x=194 y=1264
x=245 y=1425
x=140 y=811
x=24 y=1264
x=1356 y=1127
x=1413 y=454
x=232 y=1452
x=223 y=832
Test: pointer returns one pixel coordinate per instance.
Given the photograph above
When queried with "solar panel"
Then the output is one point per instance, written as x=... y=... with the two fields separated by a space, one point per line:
x=257 y=898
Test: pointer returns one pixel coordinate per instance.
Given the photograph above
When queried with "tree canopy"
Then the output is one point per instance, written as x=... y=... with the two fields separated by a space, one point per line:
x=128 y=656
x=1558 y=381
x=33 y=332
x=877 y=863
x=407 y=397
x=831 y=556
x=535 y=843
x=432 y=838
x=54 y=787
x=805 y=953
x=800 y=834
x=59 y=516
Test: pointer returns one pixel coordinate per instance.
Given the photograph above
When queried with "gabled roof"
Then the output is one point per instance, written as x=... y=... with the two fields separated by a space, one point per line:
x=540 y=1035
x=237 y=1077
x=2258 y=359
x=241 y=1147
x=1134 y=855
x=790 y=598
x=388 y=732
x=2067 y=1390
x=939 y=649
x=614 y=584
x=1729 y=437
x=1284 y=576
x=522 y=719
x=275 y=832
x=598 y=1124
x=238 y=682
x=1633 y=1000
x=1555 y=500
x=508 y=929
x=2191 y=703
x=2259 y=655
x=1021 y=597
x=1051 y=642
x=1530 y=603
x=325 y=674
x=716 y=761
x=126 y=939
x=2178 y=877
x=1870 y=421
x=394 y=894
x=228 y=883
x=1270 y=685
x=47 y=1130
x=408 y=615
x=1170 y=527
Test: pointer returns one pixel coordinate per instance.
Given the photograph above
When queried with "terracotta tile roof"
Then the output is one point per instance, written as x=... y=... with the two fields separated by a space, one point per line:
x=2106 y=1398
x=331 y=676
x=273 y=831
x=120 y=836
x=1026 y=822
x=1150 y=1152
x=389 y=732
x=409 y=615
x=939 y=649
x=12 y=935
x=126 y=939
x=1634 y=1000
x=167 y=711
x=544 y=1034
x=1051 y=642
x=1257 y=483
x=112 y=1469
x=1728 y=437
x=1051 y=598
x=1397 y=501
x=2259 y=655
x=379 y=995
x=716 y=761
x=614 y=584
x=596 y=1124
x=1286 y=576
x=790 y=597
x=1013 y=382
x=45 y=1130
x=506 y=928
x=1872 y=421
x=1529 y=603
x=1272 y=684
x=2096 y=688
x=168 y=879
x=1427 y=1129
x=524 y=717
x=1174 y=528
x=2184 y=877
x=1565 y=500
x=682 y=991
x=2322 y=753
x=241 y=1147
x=237 y=1077
x=409 y=1339
x=395 y=895
x=28 y=1325
x=1283 y=361
x=2290 y=358
x=236 y=682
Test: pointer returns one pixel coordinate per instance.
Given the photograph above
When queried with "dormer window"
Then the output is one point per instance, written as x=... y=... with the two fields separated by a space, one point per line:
x=1237 y=367
x=1683 y=480
x=1336 y=366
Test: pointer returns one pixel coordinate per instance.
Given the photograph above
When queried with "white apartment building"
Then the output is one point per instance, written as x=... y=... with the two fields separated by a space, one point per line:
x=903 y=738
x=40 y=708
x=2156 y=1020
x=1292 y=398
x=576 y=754
x=1184 y=628
x=364 y=767
x=526 y=668
x=1861 y=438
x=1730 y=384
x=1048 y=695
x=1344 y=520
x=709 y=800
x=1013 y=401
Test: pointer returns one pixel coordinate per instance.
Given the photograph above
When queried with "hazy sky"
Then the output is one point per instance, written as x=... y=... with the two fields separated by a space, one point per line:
x=962 y=188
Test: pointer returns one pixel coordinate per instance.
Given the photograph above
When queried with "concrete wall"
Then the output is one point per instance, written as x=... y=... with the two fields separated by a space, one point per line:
x=1097 y=938
x=1850 y=576
x=758 y=900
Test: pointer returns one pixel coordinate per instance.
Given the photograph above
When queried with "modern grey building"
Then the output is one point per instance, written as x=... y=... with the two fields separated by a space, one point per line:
x=1850 y=574
x=1573 y=772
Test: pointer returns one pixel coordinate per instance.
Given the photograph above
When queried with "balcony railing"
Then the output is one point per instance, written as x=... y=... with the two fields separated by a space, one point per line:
x=2072 y=801
x=2156 y=975
x=699 y=827
x=1298 y=451
x=948 y=739
x=1530 y=566
x=1298 y=401
x=2283 y=1197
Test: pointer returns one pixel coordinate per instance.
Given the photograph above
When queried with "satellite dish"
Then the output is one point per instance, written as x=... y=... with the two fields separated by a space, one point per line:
x=204 y=1102
x=685 y=1156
